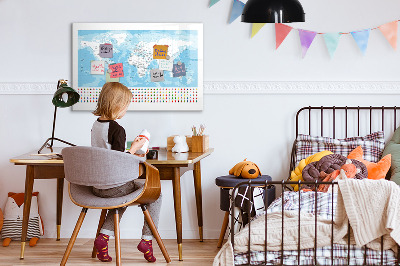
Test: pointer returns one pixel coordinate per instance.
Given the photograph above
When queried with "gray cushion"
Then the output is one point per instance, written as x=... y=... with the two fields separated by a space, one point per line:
x=393 y=148
x=83 y=195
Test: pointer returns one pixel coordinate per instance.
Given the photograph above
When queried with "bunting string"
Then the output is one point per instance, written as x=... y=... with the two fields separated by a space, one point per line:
x=343 y=33
x=361 y=37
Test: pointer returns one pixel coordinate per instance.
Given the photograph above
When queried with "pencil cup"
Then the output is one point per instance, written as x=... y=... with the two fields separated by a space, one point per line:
x=200 y=143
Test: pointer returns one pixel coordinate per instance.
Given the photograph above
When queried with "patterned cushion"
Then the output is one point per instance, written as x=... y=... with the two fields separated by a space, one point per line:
x=372 y=144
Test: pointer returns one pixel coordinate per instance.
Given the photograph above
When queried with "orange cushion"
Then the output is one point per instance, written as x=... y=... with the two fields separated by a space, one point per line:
x=375 y=170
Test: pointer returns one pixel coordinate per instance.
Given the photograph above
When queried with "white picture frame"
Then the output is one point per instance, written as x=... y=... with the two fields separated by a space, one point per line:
x=132 y=45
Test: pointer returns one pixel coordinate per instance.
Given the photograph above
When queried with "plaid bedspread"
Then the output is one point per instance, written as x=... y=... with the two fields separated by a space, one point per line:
x=307 y=202
x=324 y=257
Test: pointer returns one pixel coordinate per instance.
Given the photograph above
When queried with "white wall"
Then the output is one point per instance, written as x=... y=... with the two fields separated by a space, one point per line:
x=35 y=45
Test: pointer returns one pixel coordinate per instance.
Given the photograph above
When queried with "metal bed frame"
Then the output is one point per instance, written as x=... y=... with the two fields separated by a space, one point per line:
x=283 y=184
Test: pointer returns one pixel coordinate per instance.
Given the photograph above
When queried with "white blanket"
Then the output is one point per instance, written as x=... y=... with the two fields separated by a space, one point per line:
x=371 y=206
x=373 y=209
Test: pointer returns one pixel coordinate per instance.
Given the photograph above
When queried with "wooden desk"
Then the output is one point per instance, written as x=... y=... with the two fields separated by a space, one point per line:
x=171 y=167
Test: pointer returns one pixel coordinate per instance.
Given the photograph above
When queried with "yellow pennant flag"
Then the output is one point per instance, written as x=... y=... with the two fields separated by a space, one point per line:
x=256 y=28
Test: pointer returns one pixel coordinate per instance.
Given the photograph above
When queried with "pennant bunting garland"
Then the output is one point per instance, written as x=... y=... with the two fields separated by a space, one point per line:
x=237 y=9
x=306 y=39
x=256 y=28
x=213 y=2
x=389 y=30
x=361 y=37
x=281 y=31
x=332 y=41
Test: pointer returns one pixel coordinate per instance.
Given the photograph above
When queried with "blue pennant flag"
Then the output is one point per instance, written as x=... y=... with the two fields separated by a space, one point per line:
x=237 y=9
x=332 y=41
x=213 y=2
x=361 y=38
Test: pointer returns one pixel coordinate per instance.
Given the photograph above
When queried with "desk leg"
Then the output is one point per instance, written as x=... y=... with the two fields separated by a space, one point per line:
x=199 y=204
x=60 y=190
x=27 y=206
x=176 y=182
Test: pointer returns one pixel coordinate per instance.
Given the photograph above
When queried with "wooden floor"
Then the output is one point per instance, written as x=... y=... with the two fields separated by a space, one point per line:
x=50 y=252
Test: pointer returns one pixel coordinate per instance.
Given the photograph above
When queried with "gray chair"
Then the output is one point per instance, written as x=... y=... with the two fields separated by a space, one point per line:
x=85 y=167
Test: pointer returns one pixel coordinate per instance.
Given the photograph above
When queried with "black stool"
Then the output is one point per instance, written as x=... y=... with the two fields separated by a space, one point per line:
x=226 y=183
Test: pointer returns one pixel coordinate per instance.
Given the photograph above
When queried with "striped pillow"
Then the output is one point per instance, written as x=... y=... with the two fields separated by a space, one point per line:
x=372 y=145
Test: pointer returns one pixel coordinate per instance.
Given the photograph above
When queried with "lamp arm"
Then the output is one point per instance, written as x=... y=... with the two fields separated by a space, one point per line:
x=54 y=126
x=46 y=143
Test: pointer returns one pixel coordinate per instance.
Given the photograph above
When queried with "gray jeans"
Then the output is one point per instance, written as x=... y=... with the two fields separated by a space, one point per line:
x=154 y=208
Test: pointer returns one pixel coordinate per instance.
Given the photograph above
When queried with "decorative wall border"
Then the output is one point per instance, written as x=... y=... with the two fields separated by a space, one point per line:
x=251 y=87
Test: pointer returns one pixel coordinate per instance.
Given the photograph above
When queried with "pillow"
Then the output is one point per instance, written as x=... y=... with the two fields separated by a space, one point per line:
x=375 y=170
x=329 y=164
x=393 y=148
x=372 y=144
x=296 y=174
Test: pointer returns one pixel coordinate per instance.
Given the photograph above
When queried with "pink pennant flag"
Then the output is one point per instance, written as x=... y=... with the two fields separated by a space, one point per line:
x=389 y=30
x=306 y=39
x=281 y=31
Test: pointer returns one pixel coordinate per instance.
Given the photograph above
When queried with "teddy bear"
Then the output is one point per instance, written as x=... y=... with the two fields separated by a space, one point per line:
x=245 y=169
x=180 y=144
x=13 y=215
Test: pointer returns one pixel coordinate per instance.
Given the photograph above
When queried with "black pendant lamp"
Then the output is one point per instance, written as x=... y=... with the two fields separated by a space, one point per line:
x=273 y=11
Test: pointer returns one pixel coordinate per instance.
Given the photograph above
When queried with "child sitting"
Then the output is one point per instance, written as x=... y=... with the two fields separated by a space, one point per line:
x=112 y=104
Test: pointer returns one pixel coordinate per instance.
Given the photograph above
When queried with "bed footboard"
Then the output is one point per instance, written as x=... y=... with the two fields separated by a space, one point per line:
x=309 y=256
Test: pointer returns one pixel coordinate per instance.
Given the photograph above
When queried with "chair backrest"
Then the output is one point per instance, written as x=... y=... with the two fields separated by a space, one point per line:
x=91 y=166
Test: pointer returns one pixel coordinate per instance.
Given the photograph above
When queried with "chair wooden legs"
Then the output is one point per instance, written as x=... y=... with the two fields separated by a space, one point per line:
x=223 y=229
x=101 y=222
x=78 y=225
x=117 y=239
x=73 y=237
x=154 y=230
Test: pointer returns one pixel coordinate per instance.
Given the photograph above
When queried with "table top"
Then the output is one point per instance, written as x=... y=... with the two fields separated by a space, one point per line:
x=164 y=157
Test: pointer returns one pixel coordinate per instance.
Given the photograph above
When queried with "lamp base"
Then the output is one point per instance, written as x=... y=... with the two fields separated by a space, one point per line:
x=50 y=146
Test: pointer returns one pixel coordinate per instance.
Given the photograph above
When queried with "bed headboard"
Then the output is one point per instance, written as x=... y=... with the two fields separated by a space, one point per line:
x=344 y=121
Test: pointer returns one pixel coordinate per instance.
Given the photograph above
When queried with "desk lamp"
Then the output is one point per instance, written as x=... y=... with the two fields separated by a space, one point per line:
x=63 y=97
x=273 y=11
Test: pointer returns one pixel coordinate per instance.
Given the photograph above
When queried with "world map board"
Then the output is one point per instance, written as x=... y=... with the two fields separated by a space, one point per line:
x=160 y=63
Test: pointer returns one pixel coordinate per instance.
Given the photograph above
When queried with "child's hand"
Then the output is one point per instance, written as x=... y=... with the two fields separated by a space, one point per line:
x=137 y=144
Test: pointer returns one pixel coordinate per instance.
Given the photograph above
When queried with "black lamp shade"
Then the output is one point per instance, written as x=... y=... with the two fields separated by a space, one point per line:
x=273 y=11
x=73 y=96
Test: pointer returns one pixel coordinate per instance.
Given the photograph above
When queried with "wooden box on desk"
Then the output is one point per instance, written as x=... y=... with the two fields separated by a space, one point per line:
x=171 y=143
x=200 y=143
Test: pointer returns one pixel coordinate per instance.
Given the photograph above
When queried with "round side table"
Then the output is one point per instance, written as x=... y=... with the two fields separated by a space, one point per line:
x=228 y=182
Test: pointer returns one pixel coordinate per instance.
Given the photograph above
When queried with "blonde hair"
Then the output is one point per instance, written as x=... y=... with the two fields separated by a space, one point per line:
x=113 y=98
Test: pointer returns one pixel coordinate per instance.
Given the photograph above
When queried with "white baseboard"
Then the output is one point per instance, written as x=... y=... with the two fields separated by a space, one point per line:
x=247 y=87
